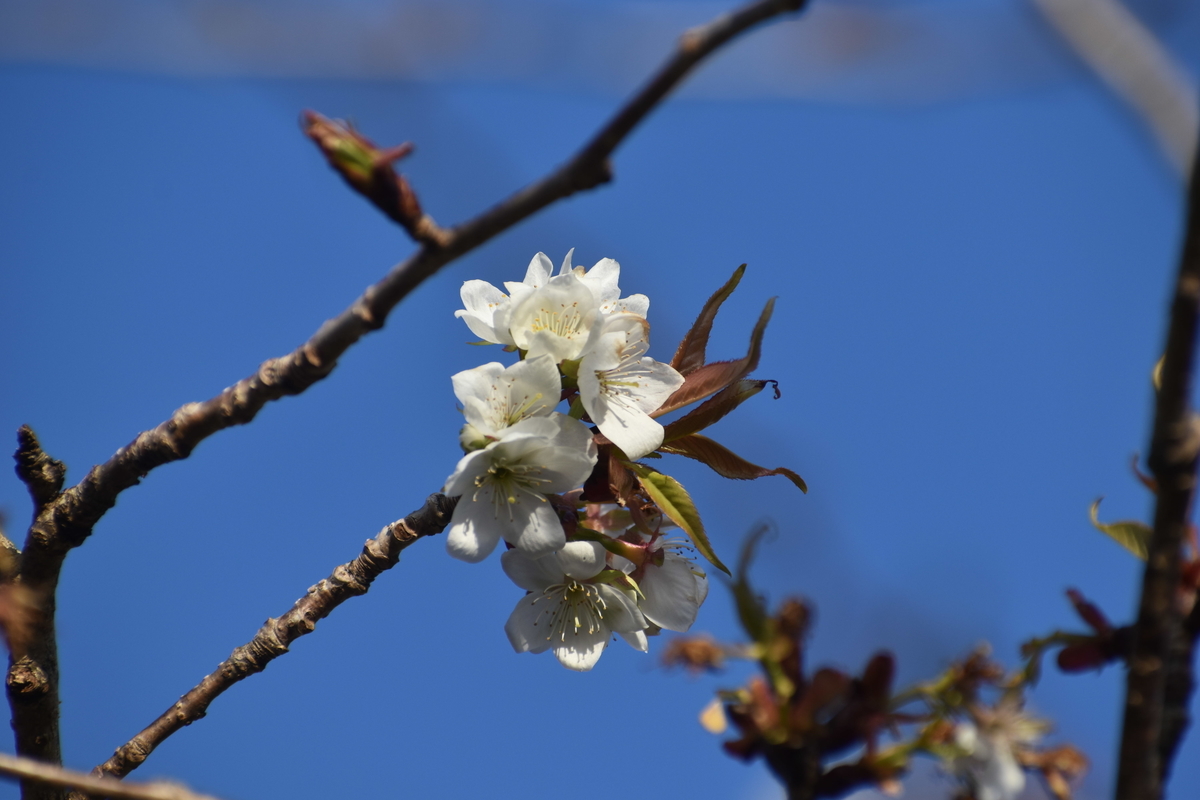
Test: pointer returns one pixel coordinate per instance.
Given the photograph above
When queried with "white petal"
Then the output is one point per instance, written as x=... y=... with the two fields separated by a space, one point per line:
x=582 y=560
x=671 y=594
x=637 y=304
x=462 y=480
x=538 y=533
x=657 y=381
x=622 y=614
x=538 y=272
x=531 y=574
x=563 y=448
x=567 y=266
x=470 y=537
x=632 y=430
x=701 y=586
x=527 y=630
x=621 y=563
x=602 y=280
x=483 y=303
x=476 y=382
x=636 y=640
x=581 y=649
x=533 y=387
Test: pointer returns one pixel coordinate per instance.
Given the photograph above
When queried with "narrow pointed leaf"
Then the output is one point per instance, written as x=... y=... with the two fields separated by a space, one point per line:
x=674 y=501
x=724 y=461
x=690 y=353
x=750 y=607
x=712 y=378
x=1134 y=536
x=716 y=407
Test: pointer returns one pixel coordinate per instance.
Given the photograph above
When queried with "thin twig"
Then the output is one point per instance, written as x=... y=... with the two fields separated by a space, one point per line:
x=1173 y=450
x=272 y=640
x=30 y=771
x=68 y=520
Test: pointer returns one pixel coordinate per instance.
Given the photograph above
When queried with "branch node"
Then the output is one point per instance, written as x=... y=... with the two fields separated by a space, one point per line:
x=40 y=473
x=26 y=679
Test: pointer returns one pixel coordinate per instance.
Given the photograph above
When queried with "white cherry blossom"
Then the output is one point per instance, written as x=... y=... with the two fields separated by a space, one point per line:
x=988 y=766
x=988 y=744
x=488 y=311
x=554 y=319
x=619 y=387
x=564 y=612
x=495 y=397
x=502 y=488
x=487 y=308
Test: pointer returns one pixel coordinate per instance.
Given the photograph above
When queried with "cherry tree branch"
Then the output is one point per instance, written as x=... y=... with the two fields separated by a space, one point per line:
x=272 y=640
x=30 y=771
x=65 y=520
x=1174 y=446
x=68 y=518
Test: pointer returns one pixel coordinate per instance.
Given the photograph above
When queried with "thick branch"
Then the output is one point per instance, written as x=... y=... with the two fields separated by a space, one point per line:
x=30 y=771
x=272 y=640
x=1173 y=451
x=31 y=683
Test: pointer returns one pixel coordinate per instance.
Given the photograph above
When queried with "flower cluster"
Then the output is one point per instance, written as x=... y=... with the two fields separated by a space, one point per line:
x=827 y=732
x=586 y=525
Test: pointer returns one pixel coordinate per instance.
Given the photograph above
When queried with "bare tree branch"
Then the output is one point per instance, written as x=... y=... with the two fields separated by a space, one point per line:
x=1174 y=446
x=67 y=521
x=30 y=771
x=272 y=640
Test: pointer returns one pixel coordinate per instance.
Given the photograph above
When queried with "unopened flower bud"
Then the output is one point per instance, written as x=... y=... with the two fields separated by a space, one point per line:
x=471 y=438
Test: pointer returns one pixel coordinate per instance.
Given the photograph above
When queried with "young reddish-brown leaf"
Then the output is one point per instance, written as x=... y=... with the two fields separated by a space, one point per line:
x=725 y=462
x=828 y=686
x=712 y=378
x=690 y=353
x=716 y=407
x=1089 y=612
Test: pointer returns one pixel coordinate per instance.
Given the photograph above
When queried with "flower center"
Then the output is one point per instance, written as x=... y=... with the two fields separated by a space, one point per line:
x=565 y=321
x=508 y=483
x=574 y=608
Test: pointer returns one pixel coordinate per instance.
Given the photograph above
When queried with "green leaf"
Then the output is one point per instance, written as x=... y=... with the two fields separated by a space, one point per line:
x=690 y=353
x=1134 y=536
x=724 y=461
x=674 y=501
x=750 y=607
x=713 y=409
x=712 y=378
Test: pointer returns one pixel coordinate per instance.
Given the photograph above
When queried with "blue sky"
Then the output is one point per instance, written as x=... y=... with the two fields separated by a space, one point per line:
x=970 y=302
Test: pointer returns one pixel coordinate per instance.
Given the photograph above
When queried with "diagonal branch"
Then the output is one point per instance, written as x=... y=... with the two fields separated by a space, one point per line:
x=67 y=520
x=30 y=771
x=272 y=640
x=1174 y=447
